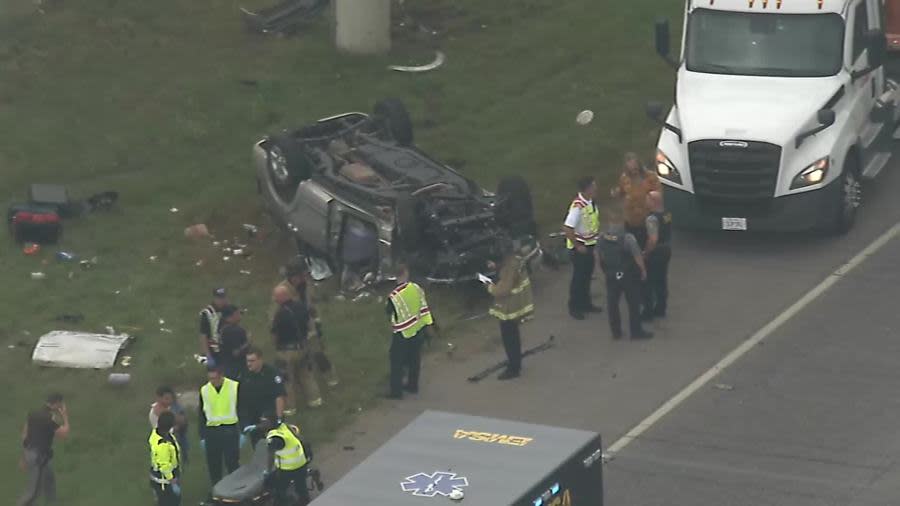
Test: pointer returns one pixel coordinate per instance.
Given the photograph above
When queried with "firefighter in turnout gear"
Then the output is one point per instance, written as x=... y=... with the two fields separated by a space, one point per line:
x=165 y=462
x=513 y=302
x=210 y=325
x=657 y=254
x=622 y=262
x=290 y=462
x=581 y=227
x=410 y=319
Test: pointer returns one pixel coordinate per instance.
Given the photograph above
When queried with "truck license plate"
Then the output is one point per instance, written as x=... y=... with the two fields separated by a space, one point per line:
x=734 y=223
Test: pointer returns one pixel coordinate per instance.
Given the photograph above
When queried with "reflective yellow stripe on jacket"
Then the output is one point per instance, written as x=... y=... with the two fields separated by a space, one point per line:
x=164 y=458
x=590 y=219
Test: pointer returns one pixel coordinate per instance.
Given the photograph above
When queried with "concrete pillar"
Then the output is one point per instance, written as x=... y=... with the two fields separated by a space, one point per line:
x=363 y=26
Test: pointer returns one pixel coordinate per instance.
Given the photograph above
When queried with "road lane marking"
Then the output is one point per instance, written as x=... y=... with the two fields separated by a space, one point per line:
x=754 y=340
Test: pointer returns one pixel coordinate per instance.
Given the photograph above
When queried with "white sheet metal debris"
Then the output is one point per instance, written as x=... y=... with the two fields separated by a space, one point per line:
x=439 y=59
x=79 y=350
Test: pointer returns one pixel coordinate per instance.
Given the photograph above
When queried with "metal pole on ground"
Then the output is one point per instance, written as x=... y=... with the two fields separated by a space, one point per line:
x=363 y=26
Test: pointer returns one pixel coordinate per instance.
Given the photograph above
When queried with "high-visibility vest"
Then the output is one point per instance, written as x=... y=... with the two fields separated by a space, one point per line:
x=411 y=312
x=292 y=456
x=220 y=407
x=518 y=301
x=165 y=458
x=589 y=224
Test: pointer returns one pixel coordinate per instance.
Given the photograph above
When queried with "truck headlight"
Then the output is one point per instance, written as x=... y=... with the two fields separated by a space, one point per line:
x=814 y=174
x=666 y=169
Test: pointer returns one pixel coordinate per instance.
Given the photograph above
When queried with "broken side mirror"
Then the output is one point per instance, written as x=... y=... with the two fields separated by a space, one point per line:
x=663 y=39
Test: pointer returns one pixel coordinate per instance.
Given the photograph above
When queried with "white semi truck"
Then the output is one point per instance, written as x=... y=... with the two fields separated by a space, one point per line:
x=782 y=108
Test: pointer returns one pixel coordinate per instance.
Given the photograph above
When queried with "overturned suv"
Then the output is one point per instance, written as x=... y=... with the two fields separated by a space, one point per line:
x=354 y=189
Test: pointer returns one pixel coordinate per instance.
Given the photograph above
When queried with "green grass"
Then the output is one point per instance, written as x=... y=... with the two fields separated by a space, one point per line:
x=146 y=98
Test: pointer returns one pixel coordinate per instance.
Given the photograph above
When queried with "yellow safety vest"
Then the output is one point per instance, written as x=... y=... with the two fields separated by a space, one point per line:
x=411 y=312
x=220 y=407
x=513 y=298
x=165 y=458
x=590 y=220
x=292 y=456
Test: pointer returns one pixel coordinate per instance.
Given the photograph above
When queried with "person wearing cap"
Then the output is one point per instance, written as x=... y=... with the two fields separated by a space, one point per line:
x=291 y=456
x=290 y=331
x=210 y=325
x=233 y=342
x=582 y=226
x=298 y=282
x=513 y=302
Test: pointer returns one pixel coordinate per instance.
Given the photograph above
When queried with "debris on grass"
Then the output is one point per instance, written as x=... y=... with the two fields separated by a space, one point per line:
x=167 y=331
x=198 y=231
x=38 y=275
x=80 y=350
x=89 y=264
x=153 y=258
x=65 y=256
x=585 y=117
x=69 y=318
x=251 y=229
x=439 y=59
x=119 y=379
x=126 y=361
x=173 y=210
x=31 y=249
x=284 y=17
x=245 y=272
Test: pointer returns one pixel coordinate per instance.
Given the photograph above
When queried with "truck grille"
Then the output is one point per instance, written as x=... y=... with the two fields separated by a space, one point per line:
x=725 y=171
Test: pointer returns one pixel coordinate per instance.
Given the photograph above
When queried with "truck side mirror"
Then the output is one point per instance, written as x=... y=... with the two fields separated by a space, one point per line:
x=876 y=44
x=825 y=117
x=654 y=111
x=663 y=38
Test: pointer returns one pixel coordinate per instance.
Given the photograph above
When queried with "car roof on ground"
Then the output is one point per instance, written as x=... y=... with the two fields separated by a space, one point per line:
x=500 y=460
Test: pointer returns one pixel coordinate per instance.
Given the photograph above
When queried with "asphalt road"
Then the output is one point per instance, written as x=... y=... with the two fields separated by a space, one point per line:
x=809 y=418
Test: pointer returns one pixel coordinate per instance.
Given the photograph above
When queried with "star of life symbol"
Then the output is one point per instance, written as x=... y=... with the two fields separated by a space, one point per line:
x=436 y=483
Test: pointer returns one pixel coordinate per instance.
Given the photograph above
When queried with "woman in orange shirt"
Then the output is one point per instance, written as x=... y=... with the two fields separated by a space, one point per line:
x=634 y=185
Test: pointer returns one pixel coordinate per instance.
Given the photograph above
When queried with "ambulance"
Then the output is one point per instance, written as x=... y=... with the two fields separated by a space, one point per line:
x=447 y=458
x=781 y=111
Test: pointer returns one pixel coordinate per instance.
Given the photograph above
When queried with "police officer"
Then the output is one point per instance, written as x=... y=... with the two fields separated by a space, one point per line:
x=657 y=254
x=622 y=262
x=291 y=457
x=299 y=284
x=262 y=392
x=581 y=228
x=165 y=462
x=513 y=301
x=219 y=432
x=410 y=319
x=210 y=325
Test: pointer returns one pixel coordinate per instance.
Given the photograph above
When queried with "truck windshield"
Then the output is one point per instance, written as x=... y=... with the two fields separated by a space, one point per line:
x=785 y=45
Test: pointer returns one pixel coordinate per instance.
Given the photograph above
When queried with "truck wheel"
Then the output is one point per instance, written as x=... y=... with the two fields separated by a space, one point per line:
x=288 y=166
x=515 y=210
x=394 y=118
x=850 y=193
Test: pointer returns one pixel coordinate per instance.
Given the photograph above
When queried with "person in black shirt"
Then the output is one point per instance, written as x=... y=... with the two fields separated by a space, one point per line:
x=233 y=342
x=210 y=325
x=290 y=328
x=37 y=440
x=262 y=391
x=657 y=253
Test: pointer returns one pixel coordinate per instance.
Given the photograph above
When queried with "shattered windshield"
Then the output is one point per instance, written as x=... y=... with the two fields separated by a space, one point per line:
x=785 y=45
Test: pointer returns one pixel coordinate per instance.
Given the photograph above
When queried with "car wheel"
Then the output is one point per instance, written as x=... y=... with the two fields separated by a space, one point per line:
x=392 y=115
x=288 y=165
x=850 y=197
x=515 y=210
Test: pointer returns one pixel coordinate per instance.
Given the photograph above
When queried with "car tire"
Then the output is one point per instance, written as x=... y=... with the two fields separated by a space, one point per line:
x=287 y=166
x=515 y=210
x=392 y=115
x=849 y=197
